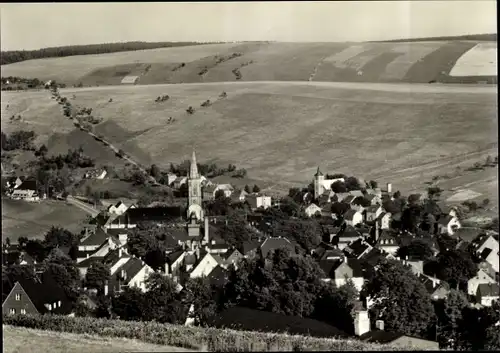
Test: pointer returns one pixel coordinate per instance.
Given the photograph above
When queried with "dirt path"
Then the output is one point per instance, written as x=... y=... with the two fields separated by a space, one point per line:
x=83 y=206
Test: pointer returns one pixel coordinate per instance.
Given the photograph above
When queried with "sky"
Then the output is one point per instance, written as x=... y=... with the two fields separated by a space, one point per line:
x=33 y=26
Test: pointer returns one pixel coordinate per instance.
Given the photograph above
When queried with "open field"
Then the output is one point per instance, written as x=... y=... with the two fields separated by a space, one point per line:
x=281 y=131
x=33 y=220
x=417 y=62
x=23 y=340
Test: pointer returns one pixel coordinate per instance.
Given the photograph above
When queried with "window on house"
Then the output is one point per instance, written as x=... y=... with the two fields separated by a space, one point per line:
x=12 y=311
x=23 y=311
x=18 y=297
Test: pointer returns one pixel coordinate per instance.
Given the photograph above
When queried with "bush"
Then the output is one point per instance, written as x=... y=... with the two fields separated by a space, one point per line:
x=209 y=339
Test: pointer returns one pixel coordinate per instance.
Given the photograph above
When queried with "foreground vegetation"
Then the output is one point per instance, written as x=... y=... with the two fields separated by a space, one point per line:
x=24 y=340
x=211 y=339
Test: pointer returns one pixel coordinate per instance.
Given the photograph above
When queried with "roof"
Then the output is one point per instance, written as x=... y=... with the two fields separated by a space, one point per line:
x=380 y=336
x=445 y=220
x=318 y=173
x=218 y=276
x=248 y=246
x=349 y=232
x=358 y=247
x=87 y=262
x=273 y=243
x=349 y=215
x=231 y=252
x=349 y=199
x=488 y=290
x=28 y=185
x=373 y=208
x=131 y=268
x=174 y=256
x=96 y=238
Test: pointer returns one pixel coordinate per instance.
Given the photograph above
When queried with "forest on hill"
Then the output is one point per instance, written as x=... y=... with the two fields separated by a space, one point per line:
x=478 y=37
x=14 y=56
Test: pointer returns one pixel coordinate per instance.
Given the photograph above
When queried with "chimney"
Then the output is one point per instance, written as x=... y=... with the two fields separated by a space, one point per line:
x=389 y=188
x=206 y=230
x=379 y=324
x=120 y=252
x=361 y=323
x=106 y=288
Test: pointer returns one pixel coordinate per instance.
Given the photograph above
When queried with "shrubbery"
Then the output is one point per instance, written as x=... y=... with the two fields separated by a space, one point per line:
x=18 y=140
x=211 y=339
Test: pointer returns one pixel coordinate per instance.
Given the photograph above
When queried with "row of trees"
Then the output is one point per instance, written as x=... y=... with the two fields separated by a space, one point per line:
x=9 y=57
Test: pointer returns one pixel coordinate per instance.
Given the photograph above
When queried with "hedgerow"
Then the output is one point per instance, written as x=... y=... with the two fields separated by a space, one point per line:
x=211 y=339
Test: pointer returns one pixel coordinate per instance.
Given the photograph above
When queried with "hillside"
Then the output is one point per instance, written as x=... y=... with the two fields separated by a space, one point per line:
x=382 y=62
x=281 y=131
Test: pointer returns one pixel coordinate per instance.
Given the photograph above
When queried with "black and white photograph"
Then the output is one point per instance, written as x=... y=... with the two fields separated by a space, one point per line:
x=249 y=176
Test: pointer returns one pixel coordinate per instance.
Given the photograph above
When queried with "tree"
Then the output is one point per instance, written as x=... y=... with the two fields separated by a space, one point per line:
x=138 y=178
x=305 y=232
x=352 y=183
x=202 y=295
x=486 y=202
x=449 y=318
x=236 y=231
x=163 y=300
x=256 y=189
x=418 y=249
x=339 y=208
x=139 y=243
x=60 y=237
x=373 y=184
x=42 y=151
x=155 y=171
x=129 y=304
x=97 y=275
x=456 y=267
x=36 y=249
x=7 y=241
x=247 y=189
x=219 y=194
x=400 y=299
x=338 y=187
x=284 y=284
x=64 y=272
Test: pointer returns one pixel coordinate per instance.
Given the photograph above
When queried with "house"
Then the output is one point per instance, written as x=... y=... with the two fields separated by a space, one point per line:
x=258 y=200
x=174 y=262
x=84 y=265
x=209 y=192
x=239 y=196
x=342 y=270
x=321 y=184
x=487 y=293
x=448 y=225
x=250 y=249
x=384 y=220
x=387 y=241
x=487 y=248
x=128 y=272
x=273 y=243
x=482 y=277
x=27 y=191
x=372 y=213
x=357 y=248
x=353 y=217
x=341 y=196
x=357 y=204
x=35 y=296
x=312 y=210
x=329 y=254
x=98 y=243
x=179 y=181
x=15 y=182
x=119 y=208
x=218 y=277
x=96 y=174
x=397 y=339
x=231 y=257
x=373 y=199
x=356 y=193
x=349 y=199
x=205 y=265
x=345 y=237
x=416 y=266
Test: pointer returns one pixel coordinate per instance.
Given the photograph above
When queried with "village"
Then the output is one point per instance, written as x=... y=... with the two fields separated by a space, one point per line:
x=356 y=229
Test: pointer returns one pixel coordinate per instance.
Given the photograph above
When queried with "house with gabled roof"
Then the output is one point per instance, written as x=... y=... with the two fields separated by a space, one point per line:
x=231 y=257
x=312 y=210
x=27 y=191
x=250 y=248
x=239 y=196
x=388 y=242
x=179 y=181
x=349 y=199
x=384 y=220
x=487 y=293
x=357 y=248
x=348 y=235
x=342 y=270
x=128 y=272
x=205 y=265
x=397 y=339
x=487 y=248
x=373 y=199
x=372 y=213
x=448 y=224
x=482 y=277
x=84 y=264
x=273 y=243
x=15 y=182
x=340 y=196
x=119 y=208
x=218 y=277
x=158 y=215
x=353 y=217
x=35 y=296
x=174 y=262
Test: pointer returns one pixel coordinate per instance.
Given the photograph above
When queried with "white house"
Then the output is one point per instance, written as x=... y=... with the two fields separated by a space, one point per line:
x=205 y=266
x=349 y=269
x=119 y=208
x=258 y=200
x=448 y=225
x=96 y=174
x=312 y=210
x=321 y=184
x=27 y=191
x=372 y=212
x=129 y=271
x=387 y=242
x=480 y=278
x=384 y=220
x=487 y=293
x=353 y=217
x=487 y=248
x=171 y=178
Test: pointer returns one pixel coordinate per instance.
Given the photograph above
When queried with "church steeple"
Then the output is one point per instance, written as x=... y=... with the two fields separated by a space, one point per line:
x=193 y=171
x=318 y=173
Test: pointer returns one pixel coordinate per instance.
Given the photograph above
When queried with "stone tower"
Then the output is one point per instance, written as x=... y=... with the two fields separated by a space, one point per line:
x=318 y=184
x=194 y=191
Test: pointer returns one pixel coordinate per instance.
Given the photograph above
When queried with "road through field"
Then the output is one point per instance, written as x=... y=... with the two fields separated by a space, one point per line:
x=83 y=206
x=390 y=87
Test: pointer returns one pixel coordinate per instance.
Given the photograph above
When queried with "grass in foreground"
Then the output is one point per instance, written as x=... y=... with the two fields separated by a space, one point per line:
x=21 y=340
x=211 y=339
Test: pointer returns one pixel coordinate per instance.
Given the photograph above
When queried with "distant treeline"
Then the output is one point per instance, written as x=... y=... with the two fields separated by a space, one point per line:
x=479 y=37
x=10 y=57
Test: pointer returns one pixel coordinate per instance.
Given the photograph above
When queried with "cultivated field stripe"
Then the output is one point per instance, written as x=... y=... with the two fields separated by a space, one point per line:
x=339 y=60
x=481 y=60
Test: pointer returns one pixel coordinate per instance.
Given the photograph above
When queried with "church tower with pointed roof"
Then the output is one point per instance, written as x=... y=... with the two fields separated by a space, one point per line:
x=194 y=191
x=318 y=184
